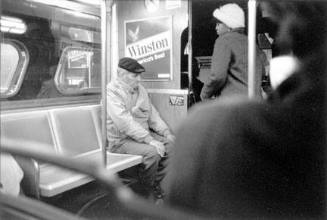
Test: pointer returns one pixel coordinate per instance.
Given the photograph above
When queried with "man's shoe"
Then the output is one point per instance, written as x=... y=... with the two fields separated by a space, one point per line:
x=158 y=192
x=159 y=202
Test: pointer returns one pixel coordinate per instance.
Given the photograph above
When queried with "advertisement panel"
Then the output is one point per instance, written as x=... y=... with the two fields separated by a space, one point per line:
x=149 y=41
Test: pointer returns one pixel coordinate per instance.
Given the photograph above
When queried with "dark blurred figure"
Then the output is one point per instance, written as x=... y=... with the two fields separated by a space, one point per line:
x=262 y=159
x=49 y=88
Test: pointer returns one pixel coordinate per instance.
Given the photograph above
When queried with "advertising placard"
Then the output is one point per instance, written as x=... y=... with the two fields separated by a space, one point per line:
x=149 y=41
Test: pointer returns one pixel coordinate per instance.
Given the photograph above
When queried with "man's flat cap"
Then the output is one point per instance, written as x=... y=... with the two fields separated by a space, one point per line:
x=131 y=65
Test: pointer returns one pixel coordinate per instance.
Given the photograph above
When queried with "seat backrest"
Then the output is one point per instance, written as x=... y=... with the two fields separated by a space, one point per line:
x=33 y=127
x=75 y=130
x=29 y=127
x=96 y=114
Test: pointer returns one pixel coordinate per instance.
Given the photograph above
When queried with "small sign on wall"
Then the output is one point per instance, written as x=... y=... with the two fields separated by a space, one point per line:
x=173 y=4
x=176 y=100
x=149 y=41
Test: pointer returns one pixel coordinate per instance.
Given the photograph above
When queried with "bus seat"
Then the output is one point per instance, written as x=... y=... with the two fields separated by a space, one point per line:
x=75 y=131
x=29 y=127
x=71 y=131
x=78 y=134
x=96 y=115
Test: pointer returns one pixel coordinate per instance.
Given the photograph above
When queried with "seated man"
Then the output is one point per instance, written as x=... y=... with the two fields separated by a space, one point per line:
x=130 y=116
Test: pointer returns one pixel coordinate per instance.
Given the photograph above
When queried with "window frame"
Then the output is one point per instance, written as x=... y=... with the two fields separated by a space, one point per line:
x=20 y=71
x=49 y=103
x=59 y=72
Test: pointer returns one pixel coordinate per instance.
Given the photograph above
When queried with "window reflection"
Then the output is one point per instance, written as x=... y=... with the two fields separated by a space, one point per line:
x=9 y=63
x=14 y=60
x=12 y=25
x=49 y=33
x=78 y=71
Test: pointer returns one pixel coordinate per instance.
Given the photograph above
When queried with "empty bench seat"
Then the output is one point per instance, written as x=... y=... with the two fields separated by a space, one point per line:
x=72 y=132
x=55 y=180
x=29 y=127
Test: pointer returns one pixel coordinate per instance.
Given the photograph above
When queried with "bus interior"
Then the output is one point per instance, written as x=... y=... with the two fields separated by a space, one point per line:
x=56 y=59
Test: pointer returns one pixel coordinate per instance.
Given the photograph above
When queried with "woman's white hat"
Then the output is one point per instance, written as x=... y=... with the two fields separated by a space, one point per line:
x=230 y=14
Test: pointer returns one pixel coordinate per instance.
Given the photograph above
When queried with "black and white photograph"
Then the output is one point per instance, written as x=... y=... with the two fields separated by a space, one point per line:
x=163 y=109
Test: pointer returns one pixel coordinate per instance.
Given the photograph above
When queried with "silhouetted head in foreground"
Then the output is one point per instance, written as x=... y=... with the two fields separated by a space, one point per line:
x=301 y=26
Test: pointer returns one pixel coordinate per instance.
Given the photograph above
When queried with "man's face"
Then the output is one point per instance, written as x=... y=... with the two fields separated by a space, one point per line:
x=132 y=79
x=221 y=28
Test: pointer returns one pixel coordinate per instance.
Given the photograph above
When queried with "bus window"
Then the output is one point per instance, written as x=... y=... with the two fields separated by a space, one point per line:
x=63 y=43
x=14 y=59
x=78 y=71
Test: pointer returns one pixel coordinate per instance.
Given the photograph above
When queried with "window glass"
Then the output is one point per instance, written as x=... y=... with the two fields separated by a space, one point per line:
x=64 y=48
x=9 y=63
x=14 y=60
x=12 y=25
x=79 y=71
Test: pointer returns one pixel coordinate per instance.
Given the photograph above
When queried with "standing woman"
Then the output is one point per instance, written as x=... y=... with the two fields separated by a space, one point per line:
x=229 y=60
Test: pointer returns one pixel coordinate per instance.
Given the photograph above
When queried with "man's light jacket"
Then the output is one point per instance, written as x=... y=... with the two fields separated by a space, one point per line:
x=130 y=114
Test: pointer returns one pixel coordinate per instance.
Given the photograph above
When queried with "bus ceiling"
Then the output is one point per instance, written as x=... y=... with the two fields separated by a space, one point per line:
x=74 y=12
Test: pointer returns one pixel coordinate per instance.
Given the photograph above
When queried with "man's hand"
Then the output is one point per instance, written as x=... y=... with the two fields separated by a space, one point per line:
x=159 y=147
x=171 y=138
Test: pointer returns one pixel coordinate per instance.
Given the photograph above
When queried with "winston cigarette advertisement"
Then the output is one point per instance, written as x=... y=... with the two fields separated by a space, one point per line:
x=149 y=42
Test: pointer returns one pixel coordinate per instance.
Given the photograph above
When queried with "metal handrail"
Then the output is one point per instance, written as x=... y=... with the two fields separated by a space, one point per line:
x=120 y=194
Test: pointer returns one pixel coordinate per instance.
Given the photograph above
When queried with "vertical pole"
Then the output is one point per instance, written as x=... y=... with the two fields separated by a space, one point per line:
x=105 y=65
x=1 y=40
x=252 y=6
x=190 y=50
x=325 y=84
